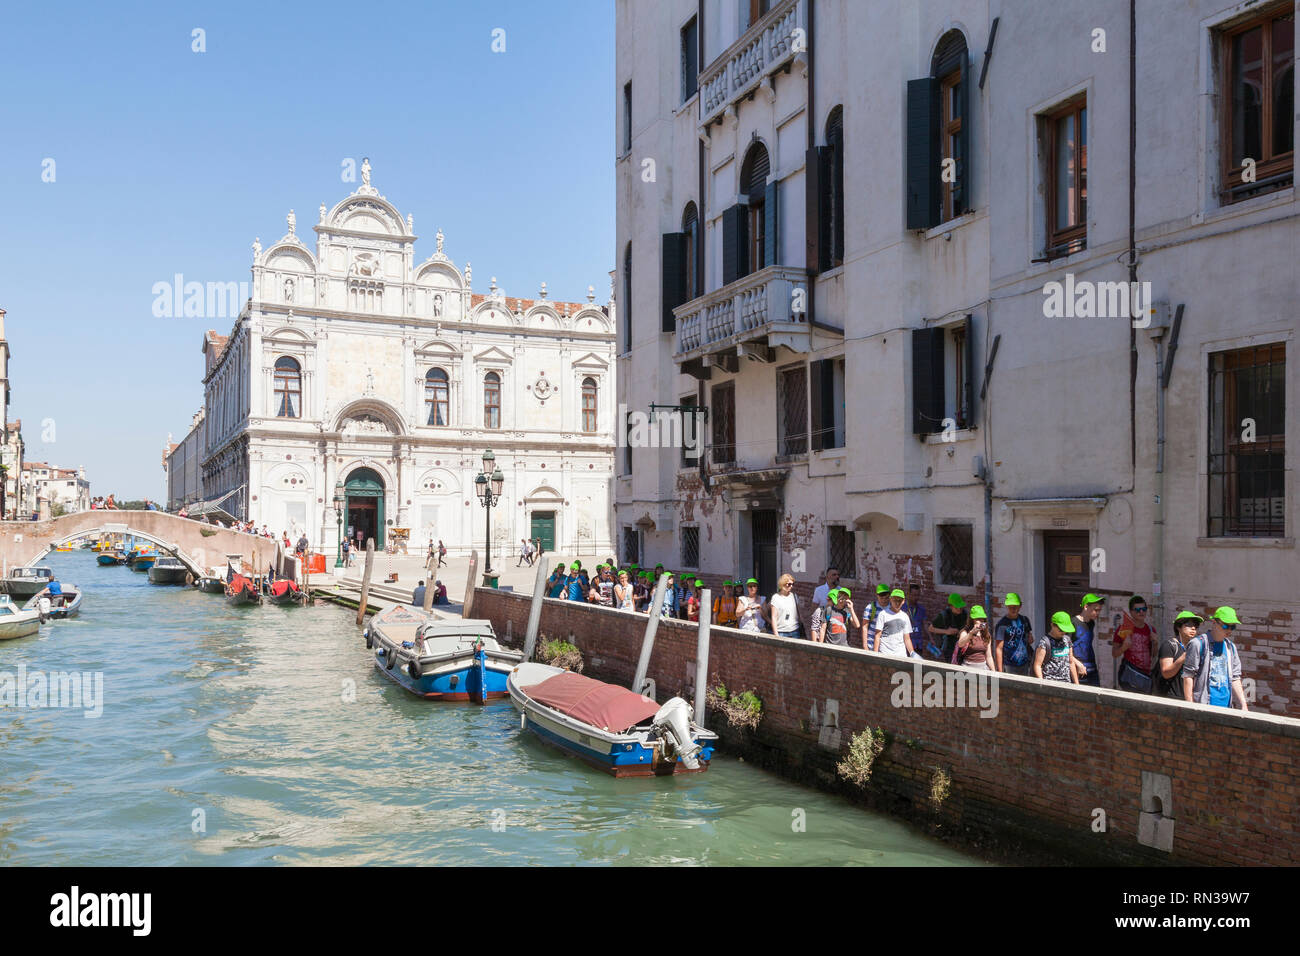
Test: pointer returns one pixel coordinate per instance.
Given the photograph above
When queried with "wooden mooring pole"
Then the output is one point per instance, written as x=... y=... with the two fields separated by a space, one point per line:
x=365 y=580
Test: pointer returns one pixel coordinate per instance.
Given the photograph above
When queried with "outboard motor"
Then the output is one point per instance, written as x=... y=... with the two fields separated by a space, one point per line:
x=674 y=720
x=43 y=605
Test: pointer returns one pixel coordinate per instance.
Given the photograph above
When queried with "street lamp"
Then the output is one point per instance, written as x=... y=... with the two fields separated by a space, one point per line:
x=338 y=514
x=488 y=488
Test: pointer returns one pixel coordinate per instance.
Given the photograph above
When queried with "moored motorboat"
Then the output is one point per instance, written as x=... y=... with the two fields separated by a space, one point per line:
x=16 y=621
x=168 y=570
x=66 y=603
x=284 y=592
x=141 y=558
x=110 y=558
x=241 y=590
x=616 y=730
x=211 y=584
x=439 y=659
x=23 y=583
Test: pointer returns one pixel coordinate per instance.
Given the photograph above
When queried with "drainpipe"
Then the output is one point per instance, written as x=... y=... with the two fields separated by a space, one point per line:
x=1132 y=229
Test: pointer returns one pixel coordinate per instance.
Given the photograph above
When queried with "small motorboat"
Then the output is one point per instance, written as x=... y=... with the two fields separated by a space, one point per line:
x=141 y=559
x=109 y=558
x=67 y=548
x=168 y=569
x=612 y=728
x=212 y=582
x=16 y=621
x=439 y=660
x=241 y=590
x=66 y=603
x=24 y=583
x=284 y=592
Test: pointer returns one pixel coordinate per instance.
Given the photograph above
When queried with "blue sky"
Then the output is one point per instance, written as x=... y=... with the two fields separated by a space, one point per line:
x=170 y=161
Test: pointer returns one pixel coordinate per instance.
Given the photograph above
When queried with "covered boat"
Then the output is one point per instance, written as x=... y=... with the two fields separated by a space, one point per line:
x=16 y=621
x=284 y=592
x=610 y=727
x=168 y=569
x=439 y=659
x=241 y=590
x=24 y=583
x=65 y=603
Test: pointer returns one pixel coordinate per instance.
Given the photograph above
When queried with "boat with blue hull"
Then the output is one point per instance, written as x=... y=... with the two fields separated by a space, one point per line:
x=439 y=659
x=616 y=730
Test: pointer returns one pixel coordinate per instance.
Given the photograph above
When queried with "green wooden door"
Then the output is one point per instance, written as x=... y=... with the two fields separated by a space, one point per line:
x=365 y=503
x=544 y=529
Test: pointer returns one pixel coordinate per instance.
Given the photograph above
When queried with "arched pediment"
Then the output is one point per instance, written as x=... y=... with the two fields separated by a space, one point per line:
x=373 y=215
x=493 y=314
x=289 y=257
x=544 y=494
x=439 y=351
x=370 y=416
x=286 y=335
x=439 y=275
x=591 y=320
x=543 y=317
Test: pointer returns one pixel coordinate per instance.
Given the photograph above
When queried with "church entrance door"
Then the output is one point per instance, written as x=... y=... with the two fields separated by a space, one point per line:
x=365 y=505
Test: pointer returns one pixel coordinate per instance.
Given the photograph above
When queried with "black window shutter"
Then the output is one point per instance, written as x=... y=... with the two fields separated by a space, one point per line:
x=927 y=381
x=835 y=163
x=734 y=240
x=922 y=153
x=819 y=376
x=961 y=200
x=673 y=281
x=968 y=399
x=771 y=228
x=814 y=191
x=697 y=244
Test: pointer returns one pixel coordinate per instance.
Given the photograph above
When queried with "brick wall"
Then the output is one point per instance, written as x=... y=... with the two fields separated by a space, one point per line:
x=1025 y=784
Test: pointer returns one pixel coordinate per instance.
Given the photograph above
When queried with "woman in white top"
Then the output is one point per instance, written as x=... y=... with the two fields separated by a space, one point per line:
x=785 y=608
x=623 y=593
x=749 y=608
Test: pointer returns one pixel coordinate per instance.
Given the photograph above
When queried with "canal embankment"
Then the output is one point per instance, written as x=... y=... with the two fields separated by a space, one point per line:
x=1016 y=767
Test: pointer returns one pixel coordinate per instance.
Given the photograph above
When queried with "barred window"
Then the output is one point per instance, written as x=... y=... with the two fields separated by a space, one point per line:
x=690 y=547
x=956 y=547
x=841 y=551
x=724 y=423
x=792 y=411
x=631 y=546
x=1247 y=443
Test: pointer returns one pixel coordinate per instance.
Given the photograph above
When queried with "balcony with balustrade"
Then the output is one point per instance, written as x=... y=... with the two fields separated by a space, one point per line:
x=768 y=46
x=750 y=317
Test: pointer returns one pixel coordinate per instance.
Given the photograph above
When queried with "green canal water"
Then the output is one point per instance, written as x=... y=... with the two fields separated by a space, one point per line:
x=265 y=736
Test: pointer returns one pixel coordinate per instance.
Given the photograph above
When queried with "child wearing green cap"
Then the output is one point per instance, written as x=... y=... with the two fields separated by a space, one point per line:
x=892 y=631
x=833 y=625
x=750 y=607
x=1085 y=629
x=1212 y=670
x=1053 y=652
x=1013 y=639
x=948 y=624
x=973 y=642
x=641 y=592
x=1168 y=671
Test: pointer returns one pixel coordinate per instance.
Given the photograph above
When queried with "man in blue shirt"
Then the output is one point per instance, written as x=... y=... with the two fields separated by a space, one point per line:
x=574 y=589
x=1212 y=669
x=1085 y=624
x=556 y=582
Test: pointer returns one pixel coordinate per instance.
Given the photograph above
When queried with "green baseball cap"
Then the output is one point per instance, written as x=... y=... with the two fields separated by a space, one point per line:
x=882 y=588
x=699 y=583
x=1226 y=615
x=752 y=581
x=576 y=566
x=727 y=583
x=898 y=592
x=1188 y=616
x=957 y=601
x=977 y=613
x=833 y=595
x=1091 y=599
x=1063 y=620
x=1012 y=599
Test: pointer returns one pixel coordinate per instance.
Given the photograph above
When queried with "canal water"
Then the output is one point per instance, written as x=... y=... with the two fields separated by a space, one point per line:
x=265 y=736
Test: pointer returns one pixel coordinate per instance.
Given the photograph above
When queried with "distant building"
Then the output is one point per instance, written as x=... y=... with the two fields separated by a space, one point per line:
x=62 y=487
x=183 y=464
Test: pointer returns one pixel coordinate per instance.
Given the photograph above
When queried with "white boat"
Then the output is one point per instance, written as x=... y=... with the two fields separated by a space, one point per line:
x=439 y=659
x=610 y=727
x=16 y=621
x=67 y=603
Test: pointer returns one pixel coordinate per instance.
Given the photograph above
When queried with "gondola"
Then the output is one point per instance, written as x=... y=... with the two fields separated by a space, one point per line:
x=241 y=591
x=285 y=593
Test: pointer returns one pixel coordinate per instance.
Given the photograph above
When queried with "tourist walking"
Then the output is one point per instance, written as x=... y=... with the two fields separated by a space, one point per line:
x=442 y=553
x=523 y=553
x=1212 y=670
x=750 y=610
x=946 y=627
x=893 y=630
x=785 y=609
x=1134 y=646
x=347 y=553
x=1085 y=626
x=1053 y=652
x=1013 y=639
x=1168 y=672
x=974 y=642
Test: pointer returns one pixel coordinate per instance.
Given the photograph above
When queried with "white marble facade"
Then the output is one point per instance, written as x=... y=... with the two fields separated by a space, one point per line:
x=372 y=333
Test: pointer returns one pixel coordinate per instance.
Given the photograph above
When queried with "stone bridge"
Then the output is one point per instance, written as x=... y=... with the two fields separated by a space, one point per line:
x=199 y=546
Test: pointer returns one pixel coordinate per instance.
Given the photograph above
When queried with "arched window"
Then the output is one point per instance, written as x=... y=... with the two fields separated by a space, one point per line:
x=760 y=249
x=693 y=252
x=948 y=68
x=288 y=388
x=834 y=187
x=436 y=396
x=589 y=405
x=492 y=400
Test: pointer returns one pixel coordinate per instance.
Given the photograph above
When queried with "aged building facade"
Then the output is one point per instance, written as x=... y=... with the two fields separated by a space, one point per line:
x=358 y=368
x=855 y=252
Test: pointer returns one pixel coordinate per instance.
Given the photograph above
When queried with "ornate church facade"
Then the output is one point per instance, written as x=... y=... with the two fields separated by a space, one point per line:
x=355 y=370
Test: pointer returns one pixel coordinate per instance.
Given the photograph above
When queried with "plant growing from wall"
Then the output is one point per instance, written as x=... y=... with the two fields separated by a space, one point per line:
x=559 y=653
x=743 y=710
x=207 y=532
x=864 y=748
x=940 y=787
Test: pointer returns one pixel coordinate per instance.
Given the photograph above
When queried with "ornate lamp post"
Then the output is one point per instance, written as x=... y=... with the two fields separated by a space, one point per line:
x=488 y=488
x=338 y=514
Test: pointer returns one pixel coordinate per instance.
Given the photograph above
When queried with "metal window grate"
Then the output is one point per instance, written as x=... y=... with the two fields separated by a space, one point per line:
x=792 y=411
x=631 y=546
x=1247 y=443
x=690 y=547
x=956 y=554
x=841 y=551
x=724 y=424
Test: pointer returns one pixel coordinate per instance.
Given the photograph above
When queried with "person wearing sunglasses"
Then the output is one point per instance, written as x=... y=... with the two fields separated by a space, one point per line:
x=1173 y=654
x=1212 y=670
x=1134 y=647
